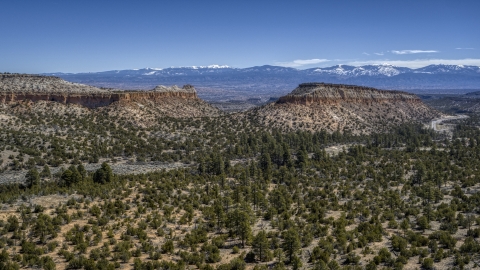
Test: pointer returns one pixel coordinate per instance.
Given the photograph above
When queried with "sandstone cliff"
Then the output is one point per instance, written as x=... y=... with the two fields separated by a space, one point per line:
x=332 y=107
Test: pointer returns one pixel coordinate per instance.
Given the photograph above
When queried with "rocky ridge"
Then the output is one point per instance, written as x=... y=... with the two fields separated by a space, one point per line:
x=143 y=107
x=337 y=107
x=14 y=88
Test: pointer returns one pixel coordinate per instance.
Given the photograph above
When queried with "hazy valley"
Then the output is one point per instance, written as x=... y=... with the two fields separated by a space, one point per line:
x=224 y=83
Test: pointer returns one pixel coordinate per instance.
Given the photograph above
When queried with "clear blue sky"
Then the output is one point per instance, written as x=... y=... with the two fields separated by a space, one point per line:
x=83 y=36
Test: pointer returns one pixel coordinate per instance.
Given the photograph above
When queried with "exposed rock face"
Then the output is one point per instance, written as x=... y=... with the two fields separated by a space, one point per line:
x=334 y=107
x=14 y=88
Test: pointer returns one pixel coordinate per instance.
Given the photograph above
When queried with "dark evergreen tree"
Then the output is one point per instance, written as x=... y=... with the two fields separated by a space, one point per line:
x=266 y=166
x=291 y=243
x=81 y=170
x=45 y=173
x=104 y=174
x=260 y=245
x=32 y=178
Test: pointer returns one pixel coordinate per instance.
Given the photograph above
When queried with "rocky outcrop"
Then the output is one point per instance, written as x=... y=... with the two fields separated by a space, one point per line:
x=311 y=93
x=18 y=88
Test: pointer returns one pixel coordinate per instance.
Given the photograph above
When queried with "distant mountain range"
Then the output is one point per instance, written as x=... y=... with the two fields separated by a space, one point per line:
x=223 y=82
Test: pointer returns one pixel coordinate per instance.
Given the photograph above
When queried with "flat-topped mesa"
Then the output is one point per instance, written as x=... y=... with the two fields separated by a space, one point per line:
x=338 y=107
x=161 y=91
x=20 y=87
x=309 y=93
x=155 y=95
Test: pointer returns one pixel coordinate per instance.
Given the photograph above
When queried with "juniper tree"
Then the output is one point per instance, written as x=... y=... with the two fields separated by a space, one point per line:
x=32 y=178
x=104 y=174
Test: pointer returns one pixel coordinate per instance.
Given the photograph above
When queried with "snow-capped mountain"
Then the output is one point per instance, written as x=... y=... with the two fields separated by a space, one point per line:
x=277 y=80
x=384 y=70
x=449 y=69
x=368 y=70
x=270 y=69
x=338 y=70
